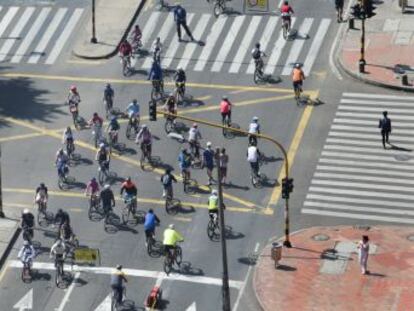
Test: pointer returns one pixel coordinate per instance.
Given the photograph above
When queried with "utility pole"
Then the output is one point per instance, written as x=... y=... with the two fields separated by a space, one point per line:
x=1 y=192
x=93 y=39
x=225 y=289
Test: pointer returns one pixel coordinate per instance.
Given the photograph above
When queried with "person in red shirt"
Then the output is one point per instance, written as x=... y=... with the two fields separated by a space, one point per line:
x=125 y=50
x=96 y=120
x=225 y=110
x=286 y=10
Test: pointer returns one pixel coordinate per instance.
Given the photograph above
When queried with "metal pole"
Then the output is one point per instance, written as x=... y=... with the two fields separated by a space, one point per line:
x=93 y=39
x=362 y=59
x=225 y=285
x=1 y=194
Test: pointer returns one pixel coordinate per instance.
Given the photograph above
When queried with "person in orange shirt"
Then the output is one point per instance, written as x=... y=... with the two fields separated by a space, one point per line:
x=297 y=76
x=225 y=110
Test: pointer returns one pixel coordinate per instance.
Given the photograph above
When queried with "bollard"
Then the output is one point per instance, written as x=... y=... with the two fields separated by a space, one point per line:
x=276 y=252
x=404 y=79
x=361 y=66
x=351 y=22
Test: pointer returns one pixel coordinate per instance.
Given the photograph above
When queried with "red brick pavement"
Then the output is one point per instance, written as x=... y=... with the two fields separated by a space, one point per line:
x=298 y=284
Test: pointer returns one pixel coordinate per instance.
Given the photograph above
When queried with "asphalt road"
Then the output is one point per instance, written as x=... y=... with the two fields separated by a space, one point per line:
x=33 y=117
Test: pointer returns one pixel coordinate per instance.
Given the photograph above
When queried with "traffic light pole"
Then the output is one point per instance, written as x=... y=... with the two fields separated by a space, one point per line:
x=1 y=193
x=362 y=61
x=286 y=243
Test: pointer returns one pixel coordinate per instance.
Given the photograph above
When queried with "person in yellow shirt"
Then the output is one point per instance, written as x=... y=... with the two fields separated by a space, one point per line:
x=213 y=205
x=171 y=237
x=297 y=77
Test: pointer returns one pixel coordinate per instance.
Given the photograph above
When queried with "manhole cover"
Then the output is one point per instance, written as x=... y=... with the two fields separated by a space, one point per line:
x=402 y=157
x=366 y=228
x=410 y=237
x=320 y=237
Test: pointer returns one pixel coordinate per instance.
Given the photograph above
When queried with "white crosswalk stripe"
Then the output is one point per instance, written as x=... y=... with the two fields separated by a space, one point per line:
x=36 y=34
x=225 y=43
x=356 y=177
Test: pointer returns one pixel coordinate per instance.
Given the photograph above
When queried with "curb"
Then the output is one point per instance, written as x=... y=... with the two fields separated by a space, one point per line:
x=115 y=51
x=9 y=246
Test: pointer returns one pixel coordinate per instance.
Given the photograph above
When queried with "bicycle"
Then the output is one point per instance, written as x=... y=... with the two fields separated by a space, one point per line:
x=70 y=148
x=126 y=65
x=150 y=243
x=145 y=154
x=219 y=7
x=213 y=229
x=114 y=299
x=129 y=208
x=112 y=140
x=179 y=91
x=170 y=259
x=63 y=178
x=41 y=211
x=93 y=205
x=103 y=172
x=108 y=103
x=133 y=123
x=170 y=125
x=256 y=178
x=27 y=271
x=259 y=75
x=285 y=26
x=297 y=89
x=157 y=91
x=171 y=205
x=59 y=271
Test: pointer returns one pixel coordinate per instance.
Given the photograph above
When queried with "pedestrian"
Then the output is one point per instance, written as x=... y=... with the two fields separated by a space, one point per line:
x=385 y=126
x=224 y=160
x=208 y=162
x=339 y=5
x=363 y=251
x=180 y=18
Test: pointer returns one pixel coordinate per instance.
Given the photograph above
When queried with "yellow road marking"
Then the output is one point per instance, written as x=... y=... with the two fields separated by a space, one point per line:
x=186 y=219
x=145 y=82
x=85 y=62
x=300 y=130
x=203 y=98
x=19 y=205
x=148 y=5
x=3 y=273
x=17 y=137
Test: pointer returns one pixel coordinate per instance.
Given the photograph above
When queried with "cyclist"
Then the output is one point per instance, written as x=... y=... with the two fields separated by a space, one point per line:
x=151 y=220
x=61 y=156
x=27 y=223
x=170 y=106
x=62 y=217
x=297 y=77
x=61 y=163
x=144 y=137
x=125 y=51
x=58 y=250
x=184 y=160
x=213 y=205
x=180 y=79
x=117 y=279
x=133 y=113
x=113 y=128
x=225 y=110
x=131 y=191
x=167 y=179
x=27 y=253
x=171 y=237
x=68 y=139
x=253 y=155
x=96 y=123
x=254 y=128
x=73 y=96
x=135 y=38
x=208 y=162
x=156 y=49
x=155 y=74
x=92 y=188
x=257 y=56
x=103 y=157
x=286 y=10
x=108 y=97
x=66 y=232
x=107 y=198
x=41 y=195
x=194 y=136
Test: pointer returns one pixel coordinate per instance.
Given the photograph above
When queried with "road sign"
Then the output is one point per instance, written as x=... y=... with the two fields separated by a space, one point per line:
x=26 y=303
x=255 y=6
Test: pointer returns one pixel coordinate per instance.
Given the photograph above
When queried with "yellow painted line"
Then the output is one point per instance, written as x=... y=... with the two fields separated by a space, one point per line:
x=203 y=98
x=237 y=92
x=76 y=210
x=19 y=205
x=294 y=146
x=270 y=89
x=186 y=219
x=18 y=137
x=148 y=5
x=85 y=62
x=3 y=273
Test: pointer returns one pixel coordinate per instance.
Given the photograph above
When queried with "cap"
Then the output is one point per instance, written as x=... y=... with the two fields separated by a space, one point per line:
x=208 y=144
x=26 y=211
x=255 y=118
x=171 y=226
x=214 y=191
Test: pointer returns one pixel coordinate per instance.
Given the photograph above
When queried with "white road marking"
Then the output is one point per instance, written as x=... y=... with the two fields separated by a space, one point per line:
x=149 y=27
x=264 y=40
x=358 y=156
x=372 y=116
x=68 y=292
x=357 y=142
x=163 y=34
x=358 y=162
x=316 y=45
x=105 y=305
x=197 y=34
x=47 y=35
x=397 y=132
x=34 y=29
x=361 y=185
x=245 y=45
x=210 y=43
x=372 y=123
x=375 y=194
x=297 y=46
x=227 y=43
x=7 y=18
x=363 y=171
x=377 y=96
x=26 y=302
x=373 y=137
x=64 y=36
x=192 y=307
x=377 y=110
x=15 y=33
x=375 y=102
x=366 y=178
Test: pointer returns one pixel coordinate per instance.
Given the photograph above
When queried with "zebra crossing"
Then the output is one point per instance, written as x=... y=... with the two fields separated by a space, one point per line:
x=35 y=35
x=355 y=177
x=229 y=40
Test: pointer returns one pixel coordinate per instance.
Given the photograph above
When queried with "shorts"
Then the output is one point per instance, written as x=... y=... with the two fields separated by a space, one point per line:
x=297 y=85
x=149 y=233
x=223 y=171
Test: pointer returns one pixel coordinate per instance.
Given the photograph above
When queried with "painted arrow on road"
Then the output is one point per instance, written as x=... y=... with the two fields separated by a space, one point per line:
x=192 y=307
x=105 y=305
x=26 y=303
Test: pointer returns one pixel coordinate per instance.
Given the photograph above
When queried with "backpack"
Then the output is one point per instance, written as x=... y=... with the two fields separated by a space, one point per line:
x=256 y=53
x=181 y=14
x=166 y=179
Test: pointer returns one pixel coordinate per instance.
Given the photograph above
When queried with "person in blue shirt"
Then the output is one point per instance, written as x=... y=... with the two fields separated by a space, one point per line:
x=208 y=162
x=184 y=160
x=180 y=18
x=151 y=220
x=155 y=73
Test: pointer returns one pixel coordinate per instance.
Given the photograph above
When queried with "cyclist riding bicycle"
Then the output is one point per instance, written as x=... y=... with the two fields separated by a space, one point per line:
x=213 y=205
x=62 y=217
x=130 y=190
x=225 y=110
x=135 y=37
x=117 y=279
x=27 y=222
x=27 y=253
x=156 y=49
x=125 y=51
x=92 y=188
x=257 y=56
x=253 y=155
x=286 y=11
x=107 y=198
x=170 y=106
x=297 y=77
x=61 y=162
x=180 y=78
x=194 y=137
x=103 y=157
x=66 y=232
x=68 y=139
x=113 y=128
x=41 y=194
x=171 y=237
x=151 y=220
x=208 y=162
x=133 y=112
x=73 y=96
x=167 y=179
x=108 y=96
x=58 y=250
x=254 y=128
x=144 y=137
x=155 y=74
x=184 y=160
x=95 y=121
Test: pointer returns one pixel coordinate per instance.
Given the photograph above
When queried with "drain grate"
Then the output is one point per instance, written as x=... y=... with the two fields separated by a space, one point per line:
x=320 y=237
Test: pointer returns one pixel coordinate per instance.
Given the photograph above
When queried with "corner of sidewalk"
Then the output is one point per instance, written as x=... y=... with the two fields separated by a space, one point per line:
x=9 y=232
x=386 y=47
x=113 y=22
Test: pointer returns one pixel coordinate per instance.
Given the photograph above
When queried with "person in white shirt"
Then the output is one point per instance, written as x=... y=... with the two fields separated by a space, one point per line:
x=194 y=136
x=58 y=250
x=254 y=128
x=156 y=49
x=253 y=155
x=27 y=253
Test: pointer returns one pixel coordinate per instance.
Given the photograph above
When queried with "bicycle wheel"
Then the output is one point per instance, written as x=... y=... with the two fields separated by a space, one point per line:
x=285 y=32
x=171 y=206
x=168 y=126
x=101 y=176
x=150 y=244
x=41 y=213
x=58 y=275
x=126 y=212
x=91 y=209
x=26 y=274
x=218 y=9
x=210 y=229
x=178 y=255
x=142 y=159
x=256 y=77
x=128 y=130
x=167 y=264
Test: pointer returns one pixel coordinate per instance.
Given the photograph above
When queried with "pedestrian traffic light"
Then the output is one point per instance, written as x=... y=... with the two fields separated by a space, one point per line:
x=152 y=110
x=287 y=187
x=369 y=8
x=356 y=11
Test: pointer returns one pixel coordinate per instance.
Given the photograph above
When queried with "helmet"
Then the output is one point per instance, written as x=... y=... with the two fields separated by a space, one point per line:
x=128 y=179
x=257 y=45
x=144 y=126
x=95 y=114
x=101 y=145
x=168 y=171
x=60 y=211
x=108 y=85
x=114 y=118
x=42 y=184
x=151 y=211
x=73 y=88
x=118 y=267
x=60 y=150
x=286 y=2
x=208 y=144
x=26 y=211
x=171 y=226
x=26 y=243
x=180 y=69
x=195 y=125
x=134 y=101
x=68 y=129
x=107 y=186
x=297 y=65
x=255 y=118
x=93 y=179
x=225 y=97
x=171 y=95
x=214 y=192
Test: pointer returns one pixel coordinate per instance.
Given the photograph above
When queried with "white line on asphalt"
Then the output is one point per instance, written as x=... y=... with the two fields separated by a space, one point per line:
x=227 y=43
x=163 y=34
x=375 y=102
x=358 y=142
x=375 y=194
x=358 y=162
x=241 y=291
x=372 y=123
x=377 y=110
x=341 y=199
x=197 y=34
x=362 y=185
x=7 y=18
x=359 y=156
x=297 y=46
x=134 y=272
x=316 y=45
x=210 y=43
x=47 y=35
x=372 y=137
x=15 y=33
x=357 y=216
x=245 y=45
x=381 y=96
x=374 y=150
x=68 y=292
x=370 y=129
x=149 y=27
x=64 y=36
x=173 y=46
x=371 y=116
x=366 y=178
x=30 y=35
x=346 y=207
x=264 y=40
x=363 y=171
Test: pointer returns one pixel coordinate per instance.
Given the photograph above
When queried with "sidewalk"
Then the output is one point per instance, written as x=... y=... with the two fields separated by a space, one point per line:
x=8 y=234
x=389 y=41
x=113 y=20
x=312 y=277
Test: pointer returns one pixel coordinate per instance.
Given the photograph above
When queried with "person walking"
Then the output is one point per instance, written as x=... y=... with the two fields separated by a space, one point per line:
x=180 y=18
x=208 y=162
x=224 y=160
x=339 y=5
x=385 y=126
x=363 y=251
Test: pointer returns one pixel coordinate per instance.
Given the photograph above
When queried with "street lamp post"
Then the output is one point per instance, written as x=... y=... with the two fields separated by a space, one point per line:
x=1 y=193
x=93 y=39
x=362 y=61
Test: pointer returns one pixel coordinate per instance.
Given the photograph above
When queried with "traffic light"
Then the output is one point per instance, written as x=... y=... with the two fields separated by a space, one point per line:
x=152 y=110
x=356 y=11
x=287 y=187
x=369 y=8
